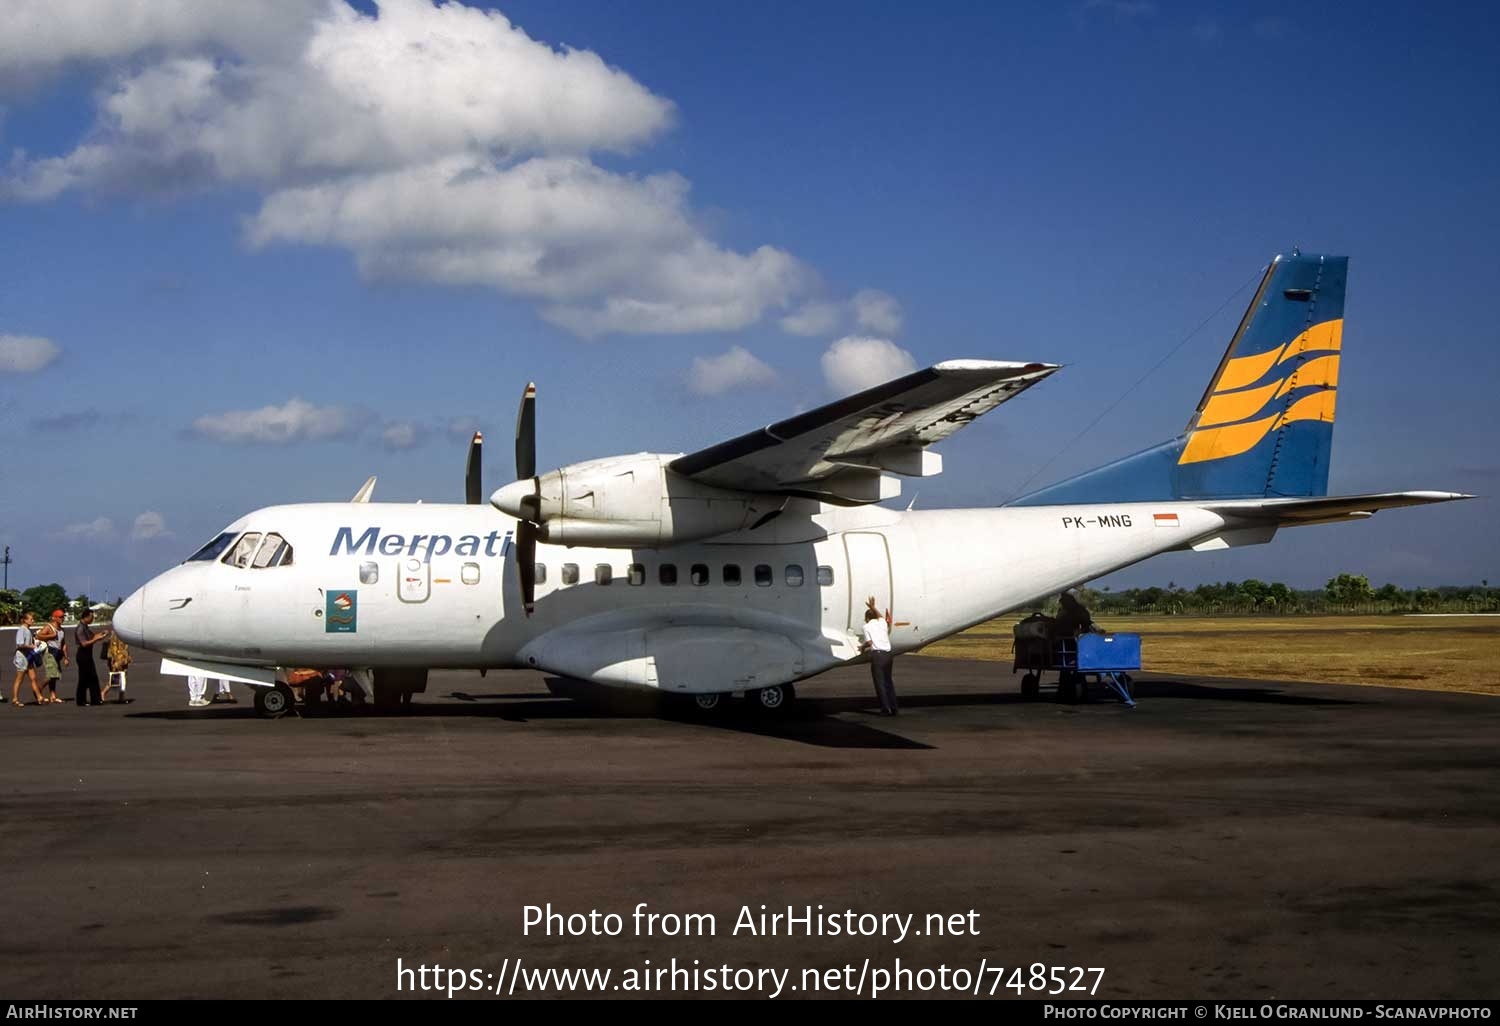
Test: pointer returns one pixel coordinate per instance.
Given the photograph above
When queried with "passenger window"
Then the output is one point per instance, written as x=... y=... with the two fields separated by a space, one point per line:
x=541 y=573
x=637 y=573
x=469 y=573
x=369 y=573
x=763 y=576
x=270 y=553
x=667 y=574
x=213 y=550
x=570 y=573
x=732 y=574
x=602 y=573
x=243 y=550
x=825 y=576
x=699 y=573
x=793 y=575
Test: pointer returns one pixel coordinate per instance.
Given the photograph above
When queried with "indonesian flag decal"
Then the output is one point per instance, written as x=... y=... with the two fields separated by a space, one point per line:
x=1166 y=520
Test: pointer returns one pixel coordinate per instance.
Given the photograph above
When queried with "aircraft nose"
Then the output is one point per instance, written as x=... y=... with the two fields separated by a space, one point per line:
x=130 y=619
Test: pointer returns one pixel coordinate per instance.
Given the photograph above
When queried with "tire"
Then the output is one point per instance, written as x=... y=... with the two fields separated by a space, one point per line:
x=776 y=699
x=708 y=703
x=273 y=703
x=1031 y=687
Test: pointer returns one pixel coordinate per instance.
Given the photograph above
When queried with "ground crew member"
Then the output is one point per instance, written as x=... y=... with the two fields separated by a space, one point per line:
x=877 y=641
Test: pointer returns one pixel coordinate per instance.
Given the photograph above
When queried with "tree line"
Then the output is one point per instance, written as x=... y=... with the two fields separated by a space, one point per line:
x=1343 y=594
x=41 y=599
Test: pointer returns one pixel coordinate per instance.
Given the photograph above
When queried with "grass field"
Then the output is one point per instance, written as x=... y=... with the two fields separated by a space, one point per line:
x=1440 y=653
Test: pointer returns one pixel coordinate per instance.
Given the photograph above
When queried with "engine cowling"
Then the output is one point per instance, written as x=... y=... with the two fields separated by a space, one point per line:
x=629 y=501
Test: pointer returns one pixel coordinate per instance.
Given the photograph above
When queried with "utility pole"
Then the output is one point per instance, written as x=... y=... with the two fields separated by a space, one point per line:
x=7 y=561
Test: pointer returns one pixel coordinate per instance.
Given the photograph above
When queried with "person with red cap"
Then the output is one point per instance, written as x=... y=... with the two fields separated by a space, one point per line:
x=56 y=655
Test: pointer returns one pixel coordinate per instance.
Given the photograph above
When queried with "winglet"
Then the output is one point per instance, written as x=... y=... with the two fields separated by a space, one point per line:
x=363 y=495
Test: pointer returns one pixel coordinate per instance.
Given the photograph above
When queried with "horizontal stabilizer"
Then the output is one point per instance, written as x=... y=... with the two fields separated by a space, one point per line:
x=1324 y=509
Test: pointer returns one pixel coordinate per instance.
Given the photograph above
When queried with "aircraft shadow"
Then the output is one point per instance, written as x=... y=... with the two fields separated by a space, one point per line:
x=1146 y=689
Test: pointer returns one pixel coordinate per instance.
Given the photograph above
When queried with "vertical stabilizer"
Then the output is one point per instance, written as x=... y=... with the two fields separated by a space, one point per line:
x=1264 y=427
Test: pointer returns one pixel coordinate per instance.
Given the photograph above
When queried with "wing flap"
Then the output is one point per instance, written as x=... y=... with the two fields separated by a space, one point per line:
x=884 y=427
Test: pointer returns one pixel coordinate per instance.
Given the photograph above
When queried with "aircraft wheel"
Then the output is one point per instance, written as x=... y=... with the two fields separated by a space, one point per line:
x=777 y=698
x=273 y=703
x=708 y=703
x=1031 y=687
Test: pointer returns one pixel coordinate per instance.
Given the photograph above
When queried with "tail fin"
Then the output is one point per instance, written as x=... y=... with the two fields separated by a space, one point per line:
x=1264 y=427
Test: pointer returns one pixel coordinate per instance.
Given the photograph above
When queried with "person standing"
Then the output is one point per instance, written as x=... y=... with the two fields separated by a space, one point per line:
x=224 y=694
x=116 y=657
x=88 y=672
x=56 y=656
x=196 y=687
x=877 y=641
x=25 y=660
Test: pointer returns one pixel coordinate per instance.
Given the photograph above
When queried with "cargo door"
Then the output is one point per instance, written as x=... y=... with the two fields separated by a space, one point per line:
x=869 y=575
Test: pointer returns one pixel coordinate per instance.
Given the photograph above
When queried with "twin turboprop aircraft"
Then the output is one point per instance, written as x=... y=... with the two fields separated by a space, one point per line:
x=746 y=567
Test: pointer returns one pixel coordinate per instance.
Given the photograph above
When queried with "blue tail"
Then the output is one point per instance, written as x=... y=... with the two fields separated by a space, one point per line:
x=1264 y=427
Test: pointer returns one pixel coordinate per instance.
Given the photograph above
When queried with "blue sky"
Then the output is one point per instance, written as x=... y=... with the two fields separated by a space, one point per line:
x=398 y=217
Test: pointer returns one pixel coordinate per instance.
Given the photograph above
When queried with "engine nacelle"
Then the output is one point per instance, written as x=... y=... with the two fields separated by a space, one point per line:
x=630 y=500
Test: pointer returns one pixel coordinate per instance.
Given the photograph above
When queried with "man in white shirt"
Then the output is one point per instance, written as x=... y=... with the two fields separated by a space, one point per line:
x=877 y=641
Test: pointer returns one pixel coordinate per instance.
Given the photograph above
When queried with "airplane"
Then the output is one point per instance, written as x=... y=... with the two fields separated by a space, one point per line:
x=746 y=567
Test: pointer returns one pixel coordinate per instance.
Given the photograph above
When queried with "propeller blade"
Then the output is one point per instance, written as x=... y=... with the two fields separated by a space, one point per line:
x=526 y=563
x=473 y=470
x=526 y=434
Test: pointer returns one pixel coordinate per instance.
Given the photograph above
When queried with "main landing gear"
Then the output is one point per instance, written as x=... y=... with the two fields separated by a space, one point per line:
x=275 y=702
x=775 y=700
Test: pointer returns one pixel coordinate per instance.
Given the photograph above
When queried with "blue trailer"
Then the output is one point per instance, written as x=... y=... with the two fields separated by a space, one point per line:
x=1104 y=659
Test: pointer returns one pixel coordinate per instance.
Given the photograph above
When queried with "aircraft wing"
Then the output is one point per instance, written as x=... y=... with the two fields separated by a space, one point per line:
x=838 y=451
x=1324 y=509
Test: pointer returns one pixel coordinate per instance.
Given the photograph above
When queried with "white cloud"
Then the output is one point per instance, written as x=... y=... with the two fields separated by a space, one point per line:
x=344 y=92
x=815 y=318
x=855 y=363
x=436 y=142
x=149 y=525
x=737 y=368
x=603 y=251
x=99 y=529
x=295 y=420
x=877 y=312
x=868 y=310
x=42 y=33
x=22 y=354
x=402 y=435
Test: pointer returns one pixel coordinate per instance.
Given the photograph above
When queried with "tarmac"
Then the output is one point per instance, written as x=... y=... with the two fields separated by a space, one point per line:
x=1225 y=839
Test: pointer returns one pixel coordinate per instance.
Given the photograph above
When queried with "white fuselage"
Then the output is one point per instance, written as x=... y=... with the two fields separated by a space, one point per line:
x=417 y=585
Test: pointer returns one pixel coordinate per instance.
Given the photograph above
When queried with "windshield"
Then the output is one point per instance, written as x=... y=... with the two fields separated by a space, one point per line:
x=212 y=549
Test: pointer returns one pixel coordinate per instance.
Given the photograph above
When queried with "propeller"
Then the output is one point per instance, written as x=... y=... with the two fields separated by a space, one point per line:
x=473 y=472
x=530 y=511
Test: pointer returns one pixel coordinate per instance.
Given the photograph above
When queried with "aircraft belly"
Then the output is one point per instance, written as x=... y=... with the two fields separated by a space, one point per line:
x=681 y=659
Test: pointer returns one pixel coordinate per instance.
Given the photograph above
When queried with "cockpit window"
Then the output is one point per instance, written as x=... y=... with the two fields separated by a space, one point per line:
x=213 y=549
x=243 y=550
x=274 y=551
